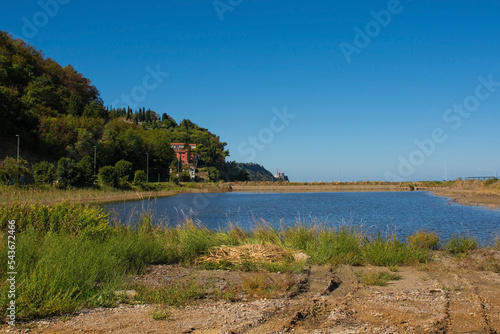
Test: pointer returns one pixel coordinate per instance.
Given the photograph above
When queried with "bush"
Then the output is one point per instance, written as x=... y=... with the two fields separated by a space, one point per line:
x=490 y=181
x=140 y=177
x=108 y=177
x=85 y=177
x=459 y=245
x=72 y=174
x=424 y=240
x=123 y=169
x=44 y=173
x=184 y=176
x=67 y=173
x=12 y=170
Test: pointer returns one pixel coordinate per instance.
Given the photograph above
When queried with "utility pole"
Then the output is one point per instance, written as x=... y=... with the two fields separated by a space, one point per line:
x=17 y=147
x=95 y=159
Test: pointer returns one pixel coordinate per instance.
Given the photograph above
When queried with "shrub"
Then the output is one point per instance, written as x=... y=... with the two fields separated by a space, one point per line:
x=490 y=181
x=85 y=177
x=12 y=170
x=423 y=239
x=459 y=245
x=140 y=177
x=44 y=173
x=184 y=176
x=123 y=170
x=67 y=173
x=108 y=176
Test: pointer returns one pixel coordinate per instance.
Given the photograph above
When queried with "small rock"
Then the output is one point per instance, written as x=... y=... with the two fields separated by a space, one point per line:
x=301 y=257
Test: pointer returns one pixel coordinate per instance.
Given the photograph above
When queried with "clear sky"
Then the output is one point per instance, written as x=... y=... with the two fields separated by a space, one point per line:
x=322 y=90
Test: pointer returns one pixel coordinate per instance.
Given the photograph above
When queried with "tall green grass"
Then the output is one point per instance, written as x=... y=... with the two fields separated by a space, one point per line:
x=460 y=244
x=69 y=256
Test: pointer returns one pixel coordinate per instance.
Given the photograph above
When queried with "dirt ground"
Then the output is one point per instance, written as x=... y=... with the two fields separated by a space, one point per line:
x=471 y=197
x=447 y=295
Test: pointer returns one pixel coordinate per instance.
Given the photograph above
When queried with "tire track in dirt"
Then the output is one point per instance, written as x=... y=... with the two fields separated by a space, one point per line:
x=471 y=307
x=306 y=309
x=445 y=296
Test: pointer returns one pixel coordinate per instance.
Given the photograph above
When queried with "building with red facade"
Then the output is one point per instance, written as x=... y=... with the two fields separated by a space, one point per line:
x=181 y=152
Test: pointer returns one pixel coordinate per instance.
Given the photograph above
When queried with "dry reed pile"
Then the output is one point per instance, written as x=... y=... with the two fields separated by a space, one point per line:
x=251 y=252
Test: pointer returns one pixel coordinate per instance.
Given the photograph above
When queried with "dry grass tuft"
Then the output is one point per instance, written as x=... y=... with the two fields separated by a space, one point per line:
x=240 y=254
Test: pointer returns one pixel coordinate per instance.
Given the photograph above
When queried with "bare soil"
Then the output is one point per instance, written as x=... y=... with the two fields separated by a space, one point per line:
x=490 y=199
x=446 y=295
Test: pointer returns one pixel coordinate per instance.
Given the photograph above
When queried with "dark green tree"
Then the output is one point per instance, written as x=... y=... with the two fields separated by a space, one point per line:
x=213 y=174
x=44 y=173
x=67 y=173
x=85 y=172
x=123 y=171
x=108 y=177
x=75 y=107
x=12 y=170
x=140 y=177
x=95 y=109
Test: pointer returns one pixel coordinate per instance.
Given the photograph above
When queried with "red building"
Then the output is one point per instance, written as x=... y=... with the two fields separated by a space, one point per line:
x=181 y=152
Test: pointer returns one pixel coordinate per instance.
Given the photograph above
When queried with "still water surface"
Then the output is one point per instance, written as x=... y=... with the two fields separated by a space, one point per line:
x=402 y=213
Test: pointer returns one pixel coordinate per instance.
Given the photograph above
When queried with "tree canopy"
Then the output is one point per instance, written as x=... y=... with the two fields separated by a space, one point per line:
x=59 y=114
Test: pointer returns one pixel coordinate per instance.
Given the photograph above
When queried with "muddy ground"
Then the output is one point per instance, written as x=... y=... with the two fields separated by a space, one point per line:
x=447 y=295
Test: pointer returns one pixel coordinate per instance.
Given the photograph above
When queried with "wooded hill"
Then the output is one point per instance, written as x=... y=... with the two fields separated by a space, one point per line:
x=59 y=113
x=256 y=172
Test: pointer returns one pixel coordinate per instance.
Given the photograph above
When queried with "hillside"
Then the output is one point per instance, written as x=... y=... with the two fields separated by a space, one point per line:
x=57 y=112
x=257 y=172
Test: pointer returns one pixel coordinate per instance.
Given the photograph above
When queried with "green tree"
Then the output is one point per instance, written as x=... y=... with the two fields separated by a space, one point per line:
x=213 y=174
x=12 y=171
x=85 y=172
x=67 y=173
x=233 y=172
x=41 y=94
x=83 y=146
x=108 y=176
x=75 y=107
x=123 y=171
x=184 y=176
x=44 y=173
x=140 y=177
x=95 y=109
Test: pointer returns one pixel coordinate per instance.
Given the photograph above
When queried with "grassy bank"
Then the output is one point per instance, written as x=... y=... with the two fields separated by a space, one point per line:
x=69 y=257
x=52 y=195
x=472 y=192
x=467 y=192
x=318 y=186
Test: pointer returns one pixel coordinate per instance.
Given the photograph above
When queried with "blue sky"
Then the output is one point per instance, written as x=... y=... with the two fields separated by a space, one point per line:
x=233 y=65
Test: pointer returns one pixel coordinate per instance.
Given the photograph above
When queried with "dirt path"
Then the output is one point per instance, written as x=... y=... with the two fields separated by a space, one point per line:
x=447 y=295
x=471 y=197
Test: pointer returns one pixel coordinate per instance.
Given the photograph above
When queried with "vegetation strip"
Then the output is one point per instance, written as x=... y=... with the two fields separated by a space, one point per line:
x=69 y=257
